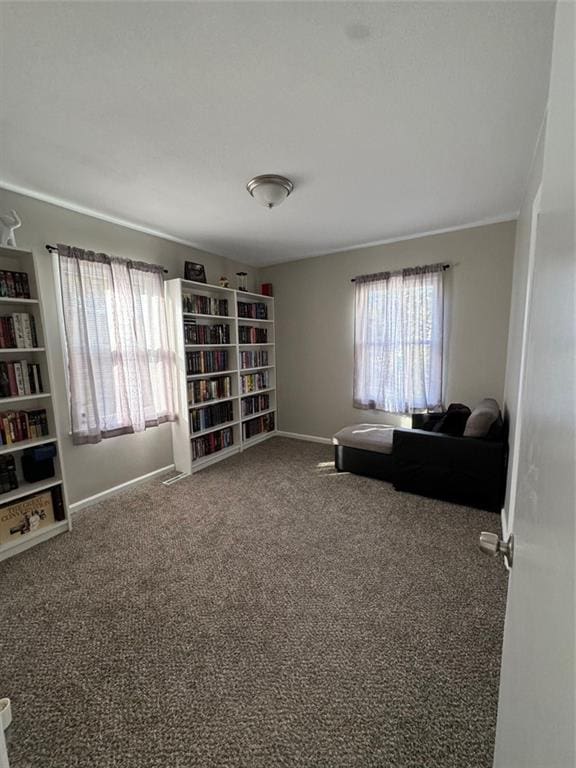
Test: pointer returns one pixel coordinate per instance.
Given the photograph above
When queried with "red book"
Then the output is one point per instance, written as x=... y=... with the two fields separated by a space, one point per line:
x=12 y=380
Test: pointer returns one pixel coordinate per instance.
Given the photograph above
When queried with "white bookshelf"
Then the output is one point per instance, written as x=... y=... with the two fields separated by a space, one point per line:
x=18 y=260
x=264 y=375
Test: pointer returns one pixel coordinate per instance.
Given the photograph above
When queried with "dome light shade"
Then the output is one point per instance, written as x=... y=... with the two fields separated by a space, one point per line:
x=270 y=189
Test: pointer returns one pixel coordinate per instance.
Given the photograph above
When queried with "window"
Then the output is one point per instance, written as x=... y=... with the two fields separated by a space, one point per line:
x=119 y=360
x=398 y=340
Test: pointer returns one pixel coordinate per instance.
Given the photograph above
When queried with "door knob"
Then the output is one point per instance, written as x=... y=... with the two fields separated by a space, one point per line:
x=490 y=544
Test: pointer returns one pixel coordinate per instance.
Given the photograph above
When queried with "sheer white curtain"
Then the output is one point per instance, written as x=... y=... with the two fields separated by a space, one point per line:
x=398 y=340
x=119 y=361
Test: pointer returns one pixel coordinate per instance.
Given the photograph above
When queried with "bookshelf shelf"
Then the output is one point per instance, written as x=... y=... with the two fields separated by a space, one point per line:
x=208 y=346
x=23 y=398
x=20 y=350
x=22 y=444
x=258 y=368
x=25 y=315
x=256 y=414
x=194 y=406
x=25 y=489
x=258 y=391
x=186 y=295
x=212 y=429
x=210 y=375
x=11 y=300
x=208 y=317
x=31 y=539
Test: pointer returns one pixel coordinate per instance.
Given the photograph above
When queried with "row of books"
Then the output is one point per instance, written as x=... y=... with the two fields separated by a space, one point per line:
x=252 y=382
x=249 y=335
x=16 y=426
x=255 y=404
x=195 y=333
x=206 y=361
x=19 y=378
x=18 y=330
x=8 y=478
x=212 y=443
x=258 y=426
x=204 y=305
x=211 y=416
x=14 y=285
x=203 y=390
x=256 y=310
x=254 y=359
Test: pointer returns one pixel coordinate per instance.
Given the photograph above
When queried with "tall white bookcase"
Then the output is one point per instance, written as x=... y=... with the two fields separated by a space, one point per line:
x=251 y=382
x=17 y=260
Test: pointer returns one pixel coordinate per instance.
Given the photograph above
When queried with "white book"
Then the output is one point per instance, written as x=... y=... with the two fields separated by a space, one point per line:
x=27 y=330
x=37 y=386
x=19 y=379
x=26 y=377
x=16 y=322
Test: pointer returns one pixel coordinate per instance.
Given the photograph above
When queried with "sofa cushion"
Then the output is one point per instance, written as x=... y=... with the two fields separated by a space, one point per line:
x=367 y=437
x=454 y=420
x=486 y=413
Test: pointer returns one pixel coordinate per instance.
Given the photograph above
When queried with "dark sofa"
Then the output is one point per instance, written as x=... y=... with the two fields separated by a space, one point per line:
x=462 y=470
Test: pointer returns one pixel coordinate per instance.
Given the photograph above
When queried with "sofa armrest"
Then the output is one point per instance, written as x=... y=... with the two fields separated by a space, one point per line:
x=460 y=469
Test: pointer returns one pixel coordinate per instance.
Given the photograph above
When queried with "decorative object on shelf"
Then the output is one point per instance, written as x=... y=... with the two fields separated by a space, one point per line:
x=9 y=222
x=38 y=463
x=266 y=289
x=269 y=189
x=224 y=282
x=242 y=281
x=27 y=516
x=193 y=271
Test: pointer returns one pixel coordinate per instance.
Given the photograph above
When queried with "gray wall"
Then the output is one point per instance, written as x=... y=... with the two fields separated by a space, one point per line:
x=91 y=469
x=315 y=321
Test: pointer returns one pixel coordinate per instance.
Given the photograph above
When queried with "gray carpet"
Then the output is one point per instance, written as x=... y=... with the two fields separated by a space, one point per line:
x=265 y=612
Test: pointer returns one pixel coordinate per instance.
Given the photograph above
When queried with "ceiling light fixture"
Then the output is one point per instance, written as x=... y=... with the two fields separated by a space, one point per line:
x=270 y=189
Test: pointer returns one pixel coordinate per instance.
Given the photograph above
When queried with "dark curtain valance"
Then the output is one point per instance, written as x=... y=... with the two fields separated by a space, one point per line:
x=73 y=252
x=407 y=272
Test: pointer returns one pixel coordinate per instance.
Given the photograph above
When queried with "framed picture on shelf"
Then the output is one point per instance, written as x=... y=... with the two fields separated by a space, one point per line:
x=193 y=271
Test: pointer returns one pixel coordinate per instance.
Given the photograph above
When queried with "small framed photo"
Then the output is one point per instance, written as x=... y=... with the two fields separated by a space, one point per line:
x=194 y=272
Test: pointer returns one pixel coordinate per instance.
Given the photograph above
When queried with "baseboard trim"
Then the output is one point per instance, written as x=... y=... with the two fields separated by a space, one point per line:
x=90 y=500
x=308 y=438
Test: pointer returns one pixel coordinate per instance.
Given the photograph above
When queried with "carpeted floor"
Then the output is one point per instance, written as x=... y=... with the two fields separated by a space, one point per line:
x=265 y=612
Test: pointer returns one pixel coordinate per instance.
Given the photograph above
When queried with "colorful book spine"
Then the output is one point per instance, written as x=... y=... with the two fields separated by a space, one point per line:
x=248 y=334
x=255 y=310
x=14 y=285
x=206 y=361
x=19 y=378
x=204 y=305
x=204 y=390
x=211 y=416
x=258 y=426
x=212 y=443
x=16 y=426
x=252 y=382
x=195 y=333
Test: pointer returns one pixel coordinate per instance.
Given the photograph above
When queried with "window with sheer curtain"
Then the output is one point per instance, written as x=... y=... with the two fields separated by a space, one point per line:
x=398 y=340
x=116 y=338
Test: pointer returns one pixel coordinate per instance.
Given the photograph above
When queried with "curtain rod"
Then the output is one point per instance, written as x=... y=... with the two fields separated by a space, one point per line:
x=444 y=267
x=53 y=249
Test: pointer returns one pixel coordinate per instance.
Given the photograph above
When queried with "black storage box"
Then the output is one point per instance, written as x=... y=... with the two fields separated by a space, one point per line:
x=38 y=463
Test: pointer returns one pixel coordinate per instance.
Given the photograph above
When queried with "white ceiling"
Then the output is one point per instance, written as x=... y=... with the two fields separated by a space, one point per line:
x=390 y=118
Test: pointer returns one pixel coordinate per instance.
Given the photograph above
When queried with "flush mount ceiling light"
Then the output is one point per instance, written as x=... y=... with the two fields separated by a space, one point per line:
x=269 y=189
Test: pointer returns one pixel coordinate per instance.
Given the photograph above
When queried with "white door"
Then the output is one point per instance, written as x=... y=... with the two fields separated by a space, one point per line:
x=537 y=713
